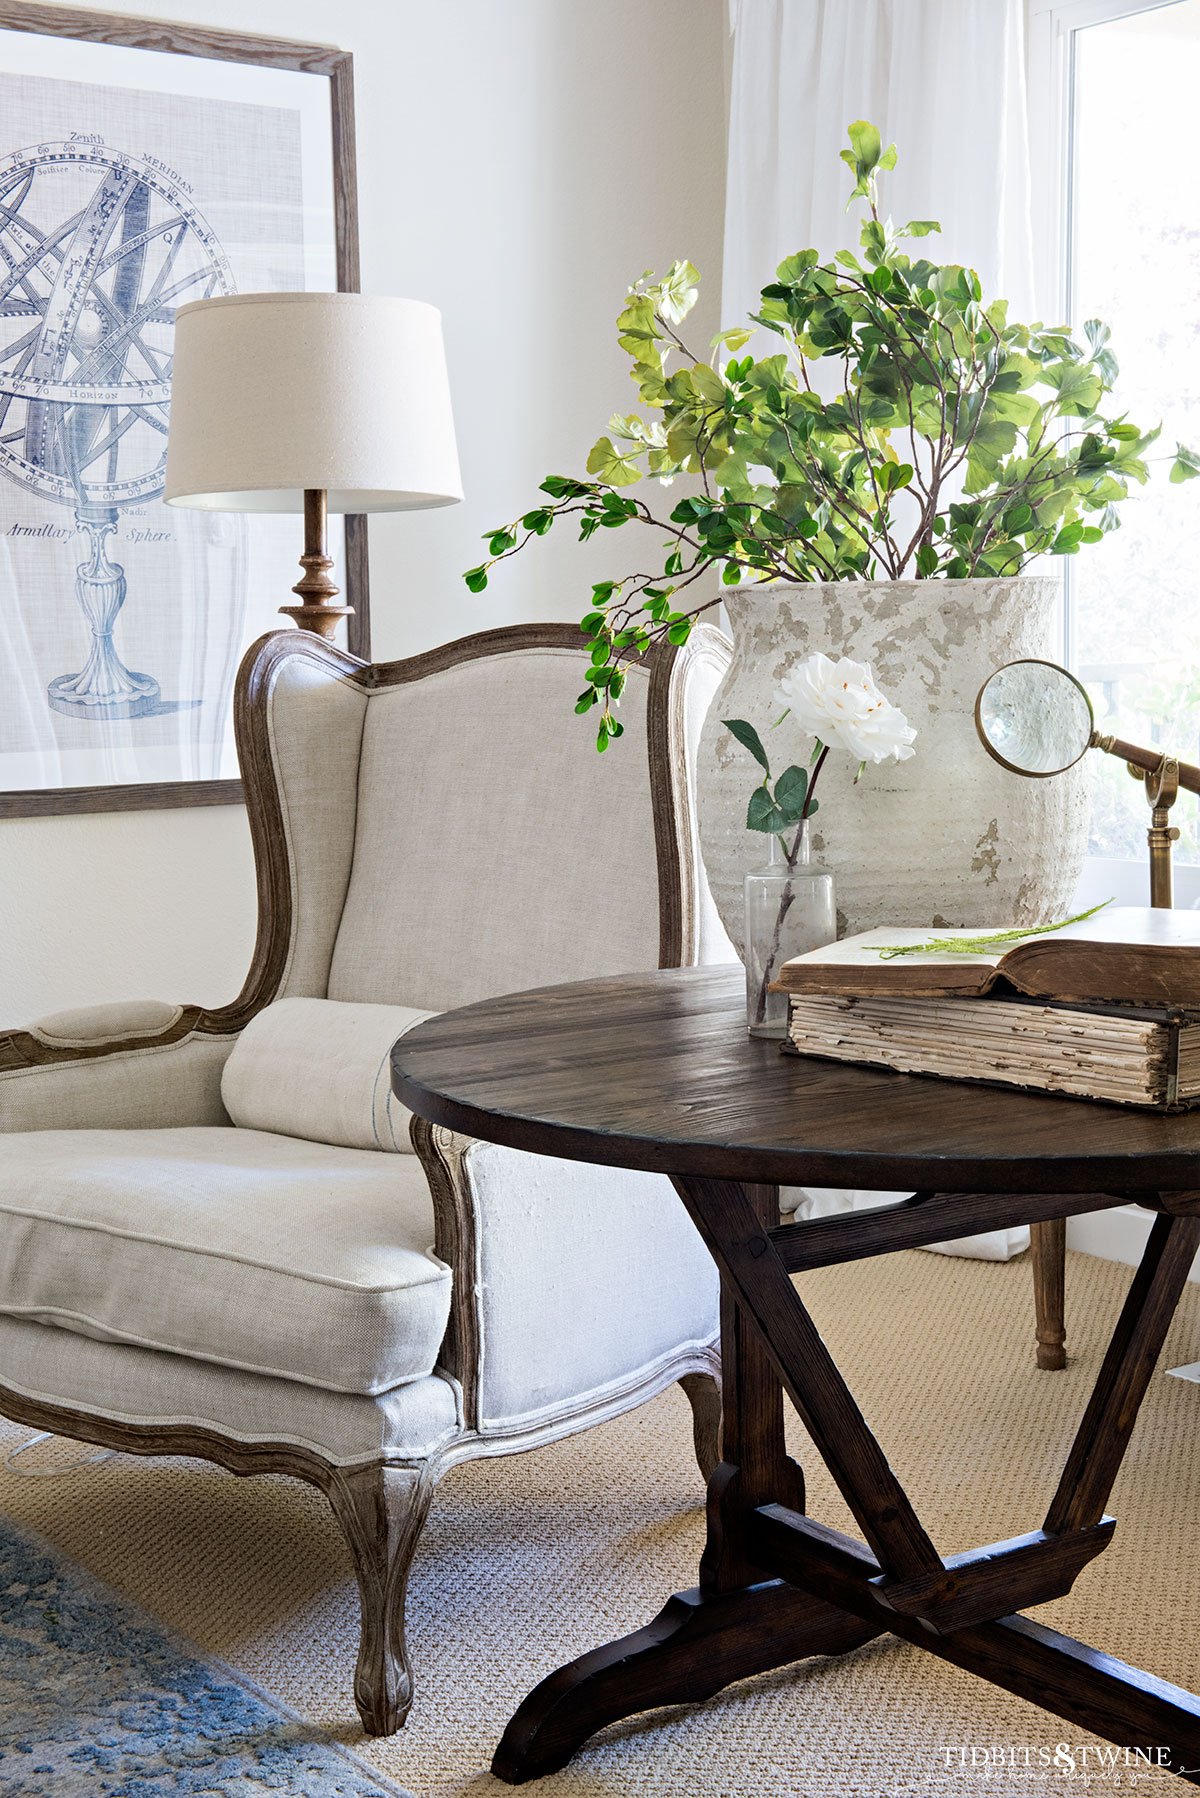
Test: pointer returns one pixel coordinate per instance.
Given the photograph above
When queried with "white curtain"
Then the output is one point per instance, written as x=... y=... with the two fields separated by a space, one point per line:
x=942 y=79
x=945 y=81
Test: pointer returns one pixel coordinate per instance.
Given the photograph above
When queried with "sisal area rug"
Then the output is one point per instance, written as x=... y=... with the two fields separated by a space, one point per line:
x=98 y=1701
x=530 y=1560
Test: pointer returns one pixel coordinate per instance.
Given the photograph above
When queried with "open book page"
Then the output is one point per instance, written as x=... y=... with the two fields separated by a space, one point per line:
x=863 y=950
x=856 y=966
x=1127 y=954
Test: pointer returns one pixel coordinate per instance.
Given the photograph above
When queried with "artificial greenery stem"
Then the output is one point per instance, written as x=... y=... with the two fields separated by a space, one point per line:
x=995 y=436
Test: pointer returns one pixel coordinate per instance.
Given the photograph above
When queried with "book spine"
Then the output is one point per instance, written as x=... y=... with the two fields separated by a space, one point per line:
x=1171 y=1098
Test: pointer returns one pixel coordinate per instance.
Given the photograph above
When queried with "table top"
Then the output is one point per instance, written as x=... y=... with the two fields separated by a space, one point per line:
x=656 y=1071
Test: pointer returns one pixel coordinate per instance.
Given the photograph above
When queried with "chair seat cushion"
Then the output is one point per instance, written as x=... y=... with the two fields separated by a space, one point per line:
x=260 y=1252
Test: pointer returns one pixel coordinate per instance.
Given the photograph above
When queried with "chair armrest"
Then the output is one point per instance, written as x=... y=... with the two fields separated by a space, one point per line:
x=95 y=1027
x=133 y=1065
x=573 y=1284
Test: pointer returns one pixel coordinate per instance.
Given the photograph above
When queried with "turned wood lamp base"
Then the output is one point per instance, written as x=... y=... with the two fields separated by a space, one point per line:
x=315 y=590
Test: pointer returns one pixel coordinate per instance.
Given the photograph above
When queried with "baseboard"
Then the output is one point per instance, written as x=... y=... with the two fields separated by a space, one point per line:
x=1116 y=1235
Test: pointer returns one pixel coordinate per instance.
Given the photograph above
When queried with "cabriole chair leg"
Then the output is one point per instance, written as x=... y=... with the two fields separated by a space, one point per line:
x=382 y=1511
x=704 y=1396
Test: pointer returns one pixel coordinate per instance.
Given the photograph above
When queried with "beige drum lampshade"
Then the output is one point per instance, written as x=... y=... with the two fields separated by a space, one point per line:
x=274 y=394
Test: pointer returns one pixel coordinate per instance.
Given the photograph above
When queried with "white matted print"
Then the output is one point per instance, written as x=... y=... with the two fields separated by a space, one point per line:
x=133 y=181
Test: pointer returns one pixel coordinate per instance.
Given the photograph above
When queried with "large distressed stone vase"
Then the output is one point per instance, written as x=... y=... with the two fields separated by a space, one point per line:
x=946 y=838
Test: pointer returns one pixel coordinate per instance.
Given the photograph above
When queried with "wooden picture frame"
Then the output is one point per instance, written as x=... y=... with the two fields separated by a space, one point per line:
x=133 y=33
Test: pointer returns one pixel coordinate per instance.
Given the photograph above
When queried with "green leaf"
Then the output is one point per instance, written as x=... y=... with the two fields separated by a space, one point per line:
x=866 y=143
x=500 y=541
x=793 y=268
x=476 y=578
x=749 y=738
x=1186 y=465
x=895 y=475
x=927 y=559
x=791 y=790
x=873 y=238
x=1098 y=334
x=676 y=293
x=560 y=486
x=611 y=465
x=763 y=814
x=919 y=228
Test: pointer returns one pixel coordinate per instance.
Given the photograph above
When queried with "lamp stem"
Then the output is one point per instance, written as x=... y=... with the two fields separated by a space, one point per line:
x=315 y=590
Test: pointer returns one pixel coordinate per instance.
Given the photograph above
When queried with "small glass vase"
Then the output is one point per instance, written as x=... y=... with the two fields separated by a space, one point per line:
x=790 y=908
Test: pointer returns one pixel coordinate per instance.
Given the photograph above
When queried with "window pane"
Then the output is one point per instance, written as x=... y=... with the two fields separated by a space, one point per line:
x=1135 y=262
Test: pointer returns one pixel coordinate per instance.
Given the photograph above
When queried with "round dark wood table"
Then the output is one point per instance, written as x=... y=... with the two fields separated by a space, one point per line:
x=655 y=1071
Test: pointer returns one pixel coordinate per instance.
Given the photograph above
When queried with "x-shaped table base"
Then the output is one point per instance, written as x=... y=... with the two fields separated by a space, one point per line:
x=776 y=1586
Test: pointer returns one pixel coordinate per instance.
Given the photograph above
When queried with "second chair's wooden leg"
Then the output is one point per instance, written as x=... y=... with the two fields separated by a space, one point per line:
x=704 y=1396
x=1048 y=1244
x=382 y=1511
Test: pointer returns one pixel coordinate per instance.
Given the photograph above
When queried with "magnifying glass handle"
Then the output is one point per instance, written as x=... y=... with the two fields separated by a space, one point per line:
x=1148 y=760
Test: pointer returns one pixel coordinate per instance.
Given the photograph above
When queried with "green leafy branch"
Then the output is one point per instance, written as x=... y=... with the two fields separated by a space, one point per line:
x=957 y=444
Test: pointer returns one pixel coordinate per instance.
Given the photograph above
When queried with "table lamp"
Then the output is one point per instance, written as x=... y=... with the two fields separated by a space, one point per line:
x=313 y=403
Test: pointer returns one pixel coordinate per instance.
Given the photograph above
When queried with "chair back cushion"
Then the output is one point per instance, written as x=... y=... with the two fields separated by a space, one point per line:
x=320 y=1070
x=494 y=848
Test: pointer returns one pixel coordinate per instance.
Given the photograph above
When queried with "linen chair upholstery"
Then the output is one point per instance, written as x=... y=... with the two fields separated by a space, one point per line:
x=426 y=832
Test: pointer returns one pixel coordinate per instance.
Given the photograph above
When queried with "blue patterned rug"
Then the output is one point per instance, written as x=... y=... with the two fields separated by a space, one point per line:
x=97 y=1700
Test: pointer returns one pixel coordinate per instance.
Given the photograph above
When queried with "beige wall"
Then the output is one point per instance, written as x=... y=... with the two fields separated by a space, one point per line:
x=519 y=162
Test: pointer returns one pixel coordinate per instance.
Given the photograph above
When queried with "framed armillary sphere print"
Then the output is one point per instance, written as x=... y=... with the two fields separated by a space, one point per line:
x=143 y=165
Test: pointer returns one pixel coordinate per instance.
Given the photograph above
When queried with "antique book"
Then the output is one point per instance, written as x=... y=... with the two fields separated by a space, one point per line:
x=1128 y=954
x=1129 y=1055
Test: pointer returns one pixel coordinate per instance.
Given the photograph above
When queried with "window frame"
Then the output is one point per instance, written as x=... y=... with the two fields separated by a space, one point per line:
x=1050 y=56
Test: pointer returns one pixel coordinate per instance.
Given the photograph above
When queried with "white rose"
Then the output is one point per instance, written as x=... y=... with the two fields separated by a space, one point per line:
x=840 y=703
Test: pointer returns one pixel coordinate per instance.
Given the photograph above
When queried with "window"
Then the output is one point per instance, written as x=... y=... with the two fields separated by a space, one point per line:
x=1113 y=86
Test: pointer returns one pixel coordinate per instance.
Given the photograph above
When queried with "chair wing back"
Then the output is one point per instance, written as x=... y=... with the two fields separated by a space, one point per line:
x=300 y=710
x=437 y=830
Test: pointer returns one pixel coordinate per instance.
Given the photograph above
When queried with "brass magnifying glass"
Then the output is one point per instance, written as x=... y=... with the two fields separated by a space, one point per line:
x=1036 y=719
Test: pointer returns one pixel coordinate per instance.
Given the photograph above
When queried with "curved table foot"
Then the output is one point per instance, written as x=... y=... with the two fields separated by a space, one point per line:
x=697 y=1644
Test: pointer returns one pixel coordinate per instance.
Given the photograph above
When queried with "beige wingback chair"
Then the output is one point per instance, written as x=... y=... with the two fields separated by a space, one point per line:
x=215 y=1237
